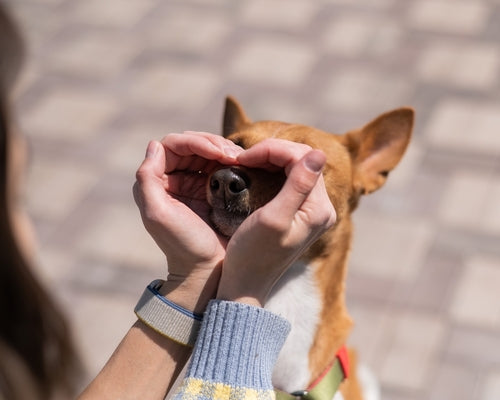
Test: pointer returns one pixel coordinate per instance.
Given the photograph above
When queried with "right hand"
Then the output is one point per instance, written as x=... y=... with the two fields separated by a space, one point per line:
x=277 y=234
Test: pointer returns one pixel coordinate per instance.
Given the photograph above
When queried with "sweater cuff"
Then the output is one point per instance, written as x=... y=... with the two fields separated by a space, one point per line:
x=238 y=344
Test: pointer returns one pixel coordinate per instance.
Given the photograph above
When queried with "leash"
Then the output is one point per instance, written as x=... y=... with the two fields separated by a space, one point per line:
x=326 y=385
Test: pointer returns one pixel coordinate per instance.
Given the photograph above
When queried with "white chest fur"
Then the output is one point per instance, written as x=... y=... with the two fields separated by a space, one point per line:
x=296 y=298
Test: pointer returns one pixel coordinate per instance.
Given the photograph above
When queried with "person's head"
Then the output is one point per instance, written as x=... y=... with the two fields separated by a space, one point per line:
x=36 y=351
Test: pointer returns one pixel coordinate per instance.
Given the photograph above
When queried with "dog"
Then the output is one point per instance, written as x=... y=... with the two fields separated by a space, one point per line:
x=311 y=293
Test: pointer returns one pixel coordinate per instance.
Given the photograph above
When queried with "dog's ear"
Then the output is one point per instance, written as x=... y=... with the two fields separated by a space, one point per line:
x=378 y=147
x=234 y=117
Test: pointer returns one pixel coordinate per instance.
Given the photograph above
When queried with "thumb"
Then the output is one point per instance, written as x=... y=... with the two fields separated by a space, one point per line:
x=155 y=158
x=300 y=182
x=149 y=182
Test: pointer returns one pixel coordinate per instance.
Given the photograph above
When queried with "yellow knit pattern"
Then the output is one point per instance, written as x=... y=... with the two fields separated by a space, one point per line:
x=197 y=389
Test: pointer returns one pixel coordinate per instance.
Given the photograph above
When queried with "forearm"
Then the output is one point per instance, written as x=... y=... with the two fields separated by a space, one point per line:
x=235 y=353
x=144 y=366
x=146 y=363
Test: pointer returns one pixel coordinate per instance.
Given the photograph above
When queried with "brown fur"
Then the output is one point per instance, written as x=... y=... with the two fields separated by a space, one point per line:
x=358 y=163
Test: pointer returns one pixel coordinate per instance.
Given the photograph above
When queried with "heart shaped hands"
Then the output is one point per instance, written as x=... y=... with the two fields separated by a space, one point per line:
x=170 y=193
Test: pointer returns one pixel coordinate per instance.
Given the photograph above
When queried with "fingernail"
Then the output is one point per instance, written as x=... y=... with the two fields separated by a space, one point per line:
x=152 y=149
x=315 y=161
x=232 y=151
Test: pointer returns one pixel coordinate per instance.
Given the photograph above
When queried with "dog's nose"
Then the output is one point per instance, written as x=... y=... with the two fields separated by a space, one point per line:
x=227 y=183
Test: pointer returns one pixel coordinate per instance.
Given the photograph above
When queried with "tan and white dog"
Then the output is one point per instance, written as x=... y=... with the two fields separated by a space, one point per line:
x=313 y=363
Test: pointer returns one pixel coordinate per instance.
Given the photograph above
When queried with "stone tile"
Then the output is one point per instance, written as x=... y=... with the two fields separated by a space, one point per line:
x=38 y=22
x=365 y=3
x=358 y=88
x=401 y=394
x=116 y=234
x=432 y=288
x=462 y=65
x=463 y=202
x=355 y=35
x=280 y=14
x=168 y=85
x=189 y=30
x=467 y=243
x=28 y=77
x=465 y=125
x=492 y=386
x=129 y=151
x=111 y=13
x=54 y=265
x=415 y=343
x=460 y=17
x=281 y=108
x=57 y=188
x=71 y=115
x=214 y=2
x=369 y=288
x=99 y=325
x=272 y=60
x=478 y=348
x=471 y=201
x=100 y=275
x=369 y=333
x=48 y=2
x=419 y=195
x=390 y=247
x=87 y=55
x=491 y=212
x=477 y=299
x=454 y=382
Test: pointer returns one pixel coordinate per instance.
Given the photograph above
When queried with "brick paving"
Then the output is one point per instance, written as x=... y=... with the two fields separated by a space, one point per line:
x=104 y=77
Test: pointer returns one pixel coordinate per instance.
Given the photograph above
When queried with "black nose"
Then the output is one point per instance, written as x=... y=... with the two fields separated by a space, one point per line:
x=228 y=183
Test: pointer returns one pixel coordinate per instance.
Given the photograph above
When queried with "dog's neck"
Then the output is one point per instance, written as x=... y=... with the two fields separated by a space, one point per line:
x=296 y=298
x=335 y=323
x=311 y=296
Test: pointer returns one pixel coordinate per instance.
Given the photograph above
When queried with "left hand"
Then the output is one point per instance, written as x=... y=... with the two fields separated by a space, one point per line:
x=171 y=195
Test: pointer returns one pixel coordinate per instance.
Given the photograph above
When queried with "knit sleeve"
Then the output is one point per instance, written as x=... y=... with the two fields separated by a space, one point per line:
x=235 y=353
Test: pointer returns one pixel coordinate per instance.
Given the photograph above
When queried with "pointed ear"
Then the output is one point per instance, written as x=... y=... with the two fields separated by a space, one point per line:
x=378 y=147
x=234 y=117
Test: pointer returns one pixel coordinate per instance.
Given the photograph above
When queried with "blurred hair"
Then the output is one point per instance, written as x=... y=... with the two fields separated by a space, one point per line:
x=37 y=355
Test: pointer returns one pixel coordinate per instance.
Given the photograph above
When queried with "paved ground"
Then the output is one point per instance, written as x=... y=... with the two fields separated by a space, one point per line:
x=104 y=77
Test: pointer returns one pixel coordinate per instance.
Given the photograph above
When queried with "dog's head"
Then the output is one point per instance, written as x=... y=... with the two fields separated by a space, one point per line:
x=358 y=163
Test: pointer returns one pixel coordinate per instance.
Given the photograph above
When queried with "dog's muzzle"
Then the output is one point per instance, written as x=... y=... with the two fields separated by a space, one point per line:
x=235 y=192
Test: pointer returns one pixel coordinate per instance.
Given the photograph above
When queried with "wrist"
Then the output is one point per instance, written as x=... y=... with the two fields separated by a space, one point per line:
x=192 y=292
x=249 y=300
x=251 y=294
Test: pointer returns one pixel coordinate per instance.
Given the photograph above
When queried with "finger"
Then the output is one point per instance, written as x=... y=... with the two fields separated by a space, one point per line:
x=149 y=192
x=273 y=153
x=191 y=164
x=154 y=162
x=229 y=147
x=199 y=144
x=299 y=184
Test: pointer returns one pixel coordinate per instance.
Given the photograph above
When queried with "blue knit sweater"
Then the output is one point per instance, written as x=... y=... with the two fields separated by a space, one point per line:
x=235 y=353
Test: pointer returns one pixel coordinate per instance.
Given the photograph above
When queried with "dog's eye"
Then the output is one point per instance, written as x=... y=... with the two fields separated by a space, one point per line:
x=238 y=142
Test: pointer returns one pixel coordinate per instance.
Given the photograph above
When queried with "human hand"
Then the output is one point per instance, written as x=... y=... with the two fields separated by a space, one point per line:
x=275 y=235
x=170 y=192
